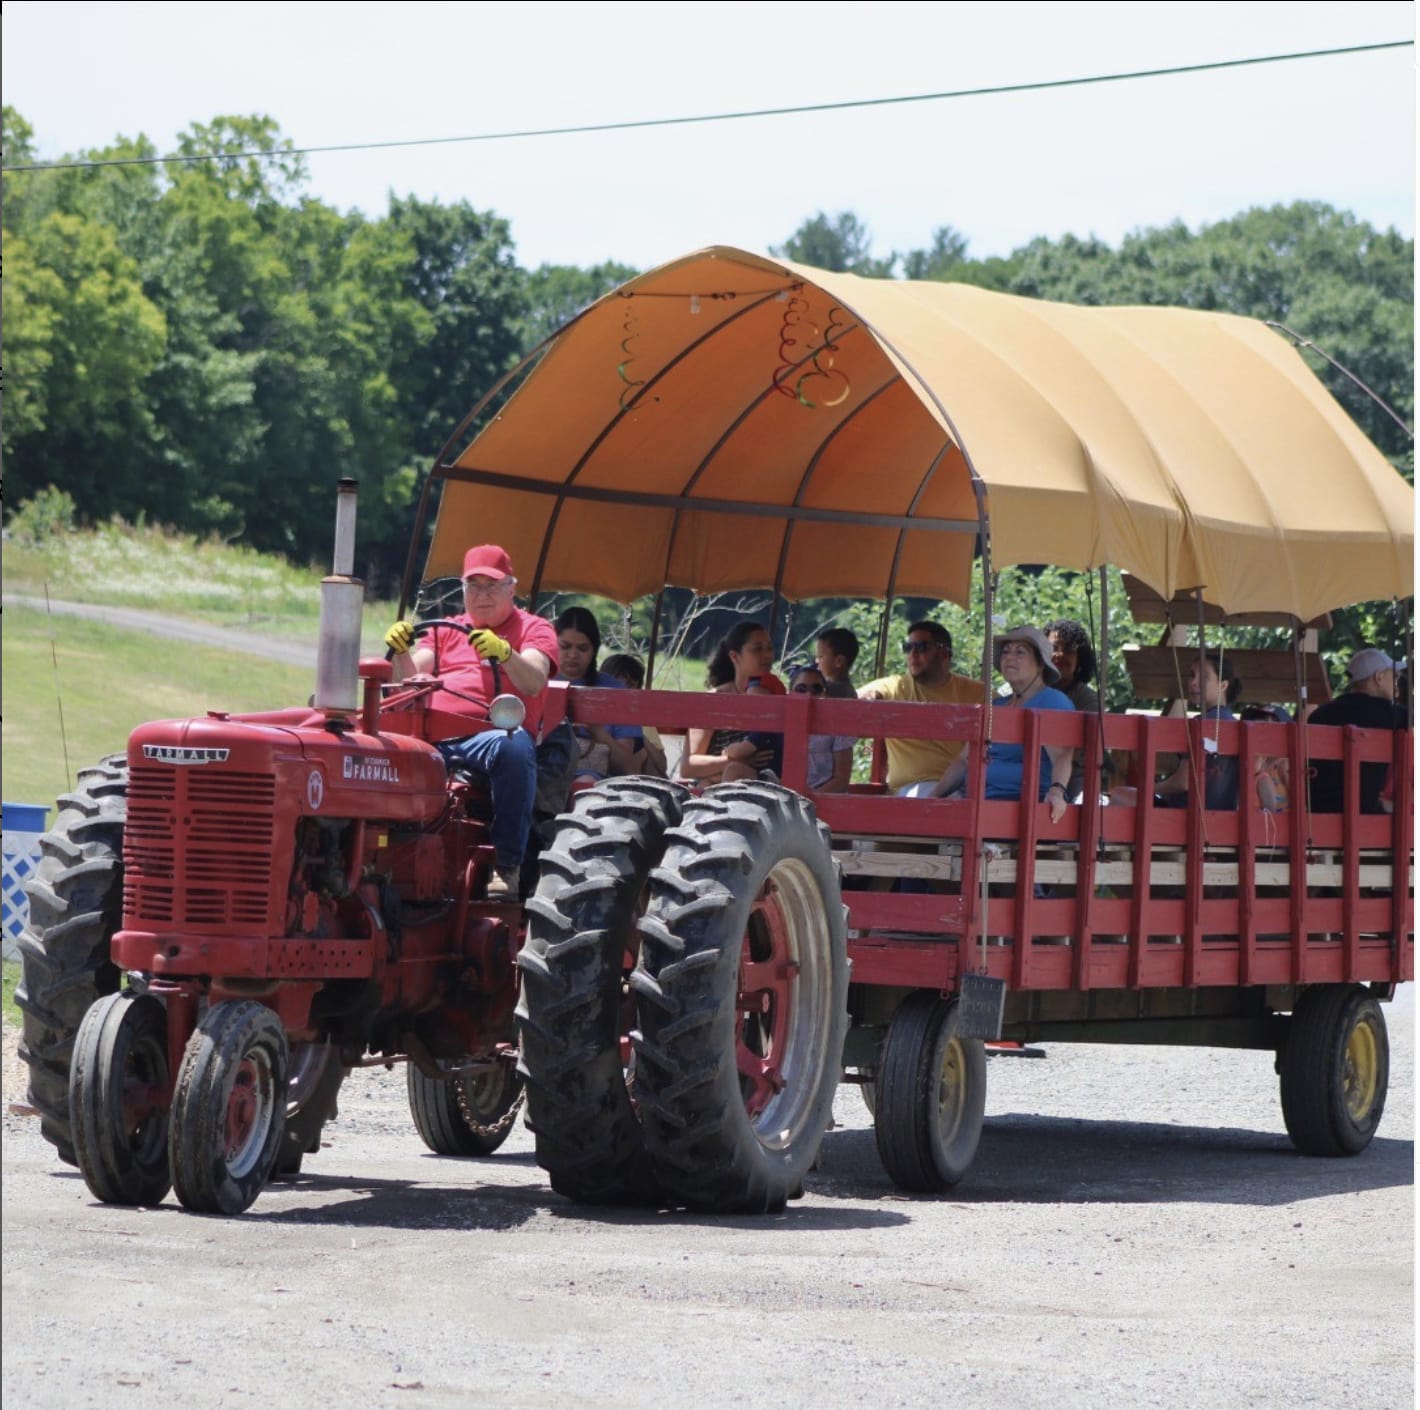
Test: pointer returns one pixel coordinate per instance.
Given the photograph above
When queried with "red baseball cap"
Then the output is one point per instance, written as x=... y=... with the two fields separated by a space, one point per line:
x=487 y=561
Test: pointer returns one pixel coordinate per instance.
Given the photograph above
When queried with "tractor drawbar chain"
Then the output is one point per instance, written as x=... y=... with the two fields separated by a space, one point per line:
x=495 y=1128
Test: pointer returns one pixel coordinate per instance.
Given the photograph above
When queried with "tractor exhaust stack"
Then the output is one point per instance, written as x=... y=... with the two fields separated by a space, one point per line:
x=342 y=598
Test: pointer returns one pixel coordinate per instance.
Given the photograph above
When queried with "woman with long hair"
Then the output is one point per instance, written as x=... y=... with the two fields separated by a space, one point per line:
x=603 y=749
x=743 y=655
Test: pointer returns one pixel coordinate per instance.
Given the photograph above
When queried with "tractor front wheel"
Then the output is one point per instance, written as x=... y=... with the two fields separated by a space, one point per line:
x=313 y=1079
x=229 y=1108
x=118 y=1089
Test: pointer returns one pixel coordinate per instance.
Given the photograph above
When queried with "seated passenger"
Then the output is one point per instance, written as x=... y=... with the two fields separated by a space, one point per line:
x=602 y=750
x=835 y=651
x=1272 y=772
x=492 y=648
x=1369 y=701
x=1023 y=659
x=1074 y=657
x=648 y=753
x=1220 y=687
x=725 y=755
x=830 y=755
x=915 y=765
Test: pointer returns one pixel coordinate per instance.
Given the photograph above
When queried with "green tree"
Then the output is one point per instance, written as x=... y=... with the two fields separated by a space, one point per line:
x=556 y=293
x=841 y=244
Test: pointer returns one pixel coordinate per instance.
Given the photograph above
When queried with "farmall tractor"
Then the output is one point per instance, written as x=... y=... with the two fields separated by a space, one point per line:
x=233 y=915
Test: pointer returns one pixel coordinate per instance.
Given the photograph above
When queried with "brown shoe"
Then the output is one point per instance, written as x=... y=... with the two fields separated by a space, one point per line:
x=502 y=884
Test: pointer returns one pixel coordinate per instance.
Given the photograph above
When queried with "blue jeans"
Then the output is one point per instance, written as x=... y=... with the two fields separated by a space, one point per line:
x=509 y=763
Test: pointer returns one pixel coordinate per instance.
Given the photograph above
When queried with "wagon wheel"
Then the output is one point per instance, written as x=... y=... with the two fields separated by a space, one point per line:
x=930 y=1092
x=741 y=999
x=1335 y=1070
x=118 y=1088
x=229 y=1108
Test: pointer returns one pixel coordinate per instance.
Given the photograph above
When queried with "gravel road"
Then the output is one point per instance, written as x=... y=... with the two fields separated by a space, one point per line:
x=1136 y=1232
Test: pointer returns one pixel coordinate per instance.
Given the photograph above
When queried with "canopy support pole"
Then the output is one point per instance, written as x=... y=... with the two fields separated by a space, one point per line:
x=651 y=645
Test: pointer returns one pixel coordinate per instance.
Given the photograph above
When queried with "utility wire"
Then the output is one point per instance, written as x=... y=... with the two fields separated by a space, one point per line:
x=724 y=117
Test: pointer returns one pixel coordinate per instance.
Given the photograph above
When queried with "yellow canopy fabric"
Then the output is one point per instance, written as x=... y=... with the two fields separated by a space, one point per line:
x=728 y=421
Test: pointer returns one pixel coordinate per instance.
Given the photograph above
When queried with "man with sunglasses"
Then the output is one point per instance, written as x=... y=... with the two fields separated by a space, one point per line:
x=496 y=648
x=915 y=765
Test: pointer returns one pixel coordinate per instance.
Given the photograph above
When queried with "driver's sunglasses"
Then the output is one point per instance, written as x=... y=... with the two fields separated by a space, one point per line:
x=912 y=646
x=807 y=689
x=484 y=588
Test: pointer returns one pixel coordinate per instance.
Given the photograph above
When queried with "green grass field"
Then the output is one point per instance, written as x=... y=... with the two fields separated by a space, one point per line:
x=12 y=978
x=107 y=682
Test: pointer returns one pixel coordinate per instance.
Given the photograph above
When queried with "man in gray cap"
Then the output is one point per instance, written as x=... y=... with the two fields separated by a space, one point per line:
x=1369 y=701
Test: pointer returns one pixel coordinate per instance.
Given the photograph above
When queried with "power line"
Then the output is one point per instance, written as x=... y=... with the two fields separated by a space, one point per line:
x=640 y=123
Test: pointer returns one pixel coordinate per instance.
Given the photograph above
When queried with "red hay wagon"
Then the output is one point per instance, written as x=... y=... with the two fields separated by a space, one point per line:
x=726 y=422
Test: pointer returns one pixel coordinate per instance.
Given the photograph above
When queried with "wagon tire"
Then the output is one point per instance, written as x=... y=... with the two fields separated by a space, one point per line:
x=741 y=997
x=1335 y=1069
x=930 y=1095
x=75 y=905
x=118 y=1099
x=454 y=1115
x=573 y=1010
x=229 y=1108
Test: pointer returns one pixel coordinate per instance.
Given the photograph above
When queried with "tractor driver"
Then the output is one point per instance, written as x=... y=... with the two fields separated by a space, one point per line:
x=496 y=648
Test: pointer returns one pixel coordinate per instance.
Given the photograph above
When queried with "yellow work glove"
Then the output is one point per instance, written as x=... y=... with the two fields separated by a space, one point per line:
x=400 y=637
x=489 y=644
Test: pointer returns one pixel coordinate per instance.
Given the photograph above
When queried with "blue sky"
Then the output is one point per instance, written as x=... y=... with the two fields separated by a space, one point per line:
x=1100 y=160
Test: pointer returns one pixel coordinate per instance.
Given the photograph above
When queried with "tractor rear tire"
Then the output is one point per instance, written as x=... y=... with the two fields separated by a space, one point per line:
x=741 y=997
x=573 y=1011
x=463 y=1115
x=117 y=1099
x=229 y=1108
x=930 y=1092
x=1335 y=1070
x=313 y=1080
x=76 y=904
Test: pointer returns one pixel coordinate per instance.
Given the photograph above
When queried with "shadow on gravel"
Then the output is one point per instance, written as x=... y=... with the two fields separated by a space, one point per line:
x=400 y=1204
x=411 y=1204
x=1055 y=1160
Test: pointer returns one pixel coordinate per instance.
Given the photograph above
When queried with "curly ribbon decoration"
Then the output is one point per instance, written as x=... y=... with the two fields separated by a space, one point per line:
x=629 y=335
x=823 y=365
x=819 y=365
x=794 y=311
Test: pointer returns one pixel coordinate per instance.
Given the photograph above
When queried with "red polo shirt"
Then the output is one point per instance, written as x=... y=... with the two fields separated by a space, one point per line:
x=461 y=667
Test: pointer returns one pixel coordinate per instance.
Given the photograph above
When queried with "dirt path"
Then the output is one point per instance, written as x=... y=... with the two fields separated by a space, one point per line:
x=1136 y=1232
x=273 y=648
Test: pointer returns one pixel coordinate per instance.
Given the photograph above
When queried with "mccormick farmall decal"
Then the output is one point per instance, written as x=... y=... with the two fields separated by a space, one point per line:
x=184 y=754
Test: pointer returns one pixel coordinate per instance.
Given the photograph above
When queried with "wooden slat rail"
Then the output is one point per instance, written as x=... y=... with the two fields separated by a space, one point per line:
x=1204 y=916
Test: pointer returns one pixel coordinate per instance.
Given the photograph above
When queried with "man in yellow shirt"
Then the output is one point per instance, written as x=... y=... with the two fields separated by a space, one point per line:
x=914 y=765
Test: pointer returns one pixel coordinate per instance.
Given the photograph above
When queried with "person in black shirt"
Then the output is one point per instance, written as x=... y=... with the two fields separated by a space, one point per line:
x=1370 y=703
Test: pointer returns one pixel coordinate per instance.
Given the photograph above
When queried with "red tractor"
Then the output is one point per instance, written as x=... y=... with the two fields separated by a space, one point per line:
x=289 y=894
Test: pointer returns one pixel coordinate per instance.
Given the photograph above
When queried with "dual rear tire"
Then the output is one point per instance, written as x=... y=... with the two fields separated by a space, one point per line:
x=735 y=1009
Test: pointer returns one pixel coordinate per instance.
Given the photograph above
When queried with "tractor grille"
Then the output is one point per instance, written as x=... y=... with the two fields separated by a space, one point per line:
x=197 y=849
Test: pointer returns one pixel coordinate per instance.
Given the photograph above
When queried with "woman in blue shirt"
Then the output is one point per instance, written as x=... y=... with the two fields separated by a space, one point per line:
x=603 y=749
x=1023 y=658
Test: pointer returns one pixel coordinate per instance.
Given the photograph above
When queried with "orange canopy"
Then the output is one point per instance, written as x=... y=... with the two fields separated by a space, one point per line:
x=728 y=421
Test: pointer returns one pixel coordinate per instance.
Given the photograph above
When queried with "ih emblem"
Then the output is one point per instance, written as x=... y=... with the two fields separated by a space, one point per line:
x=315 y=790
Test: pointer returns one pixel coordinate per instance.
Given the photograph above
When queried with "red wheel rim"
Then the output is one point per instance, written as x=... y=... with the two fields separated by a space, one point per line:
x=765 y=1002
